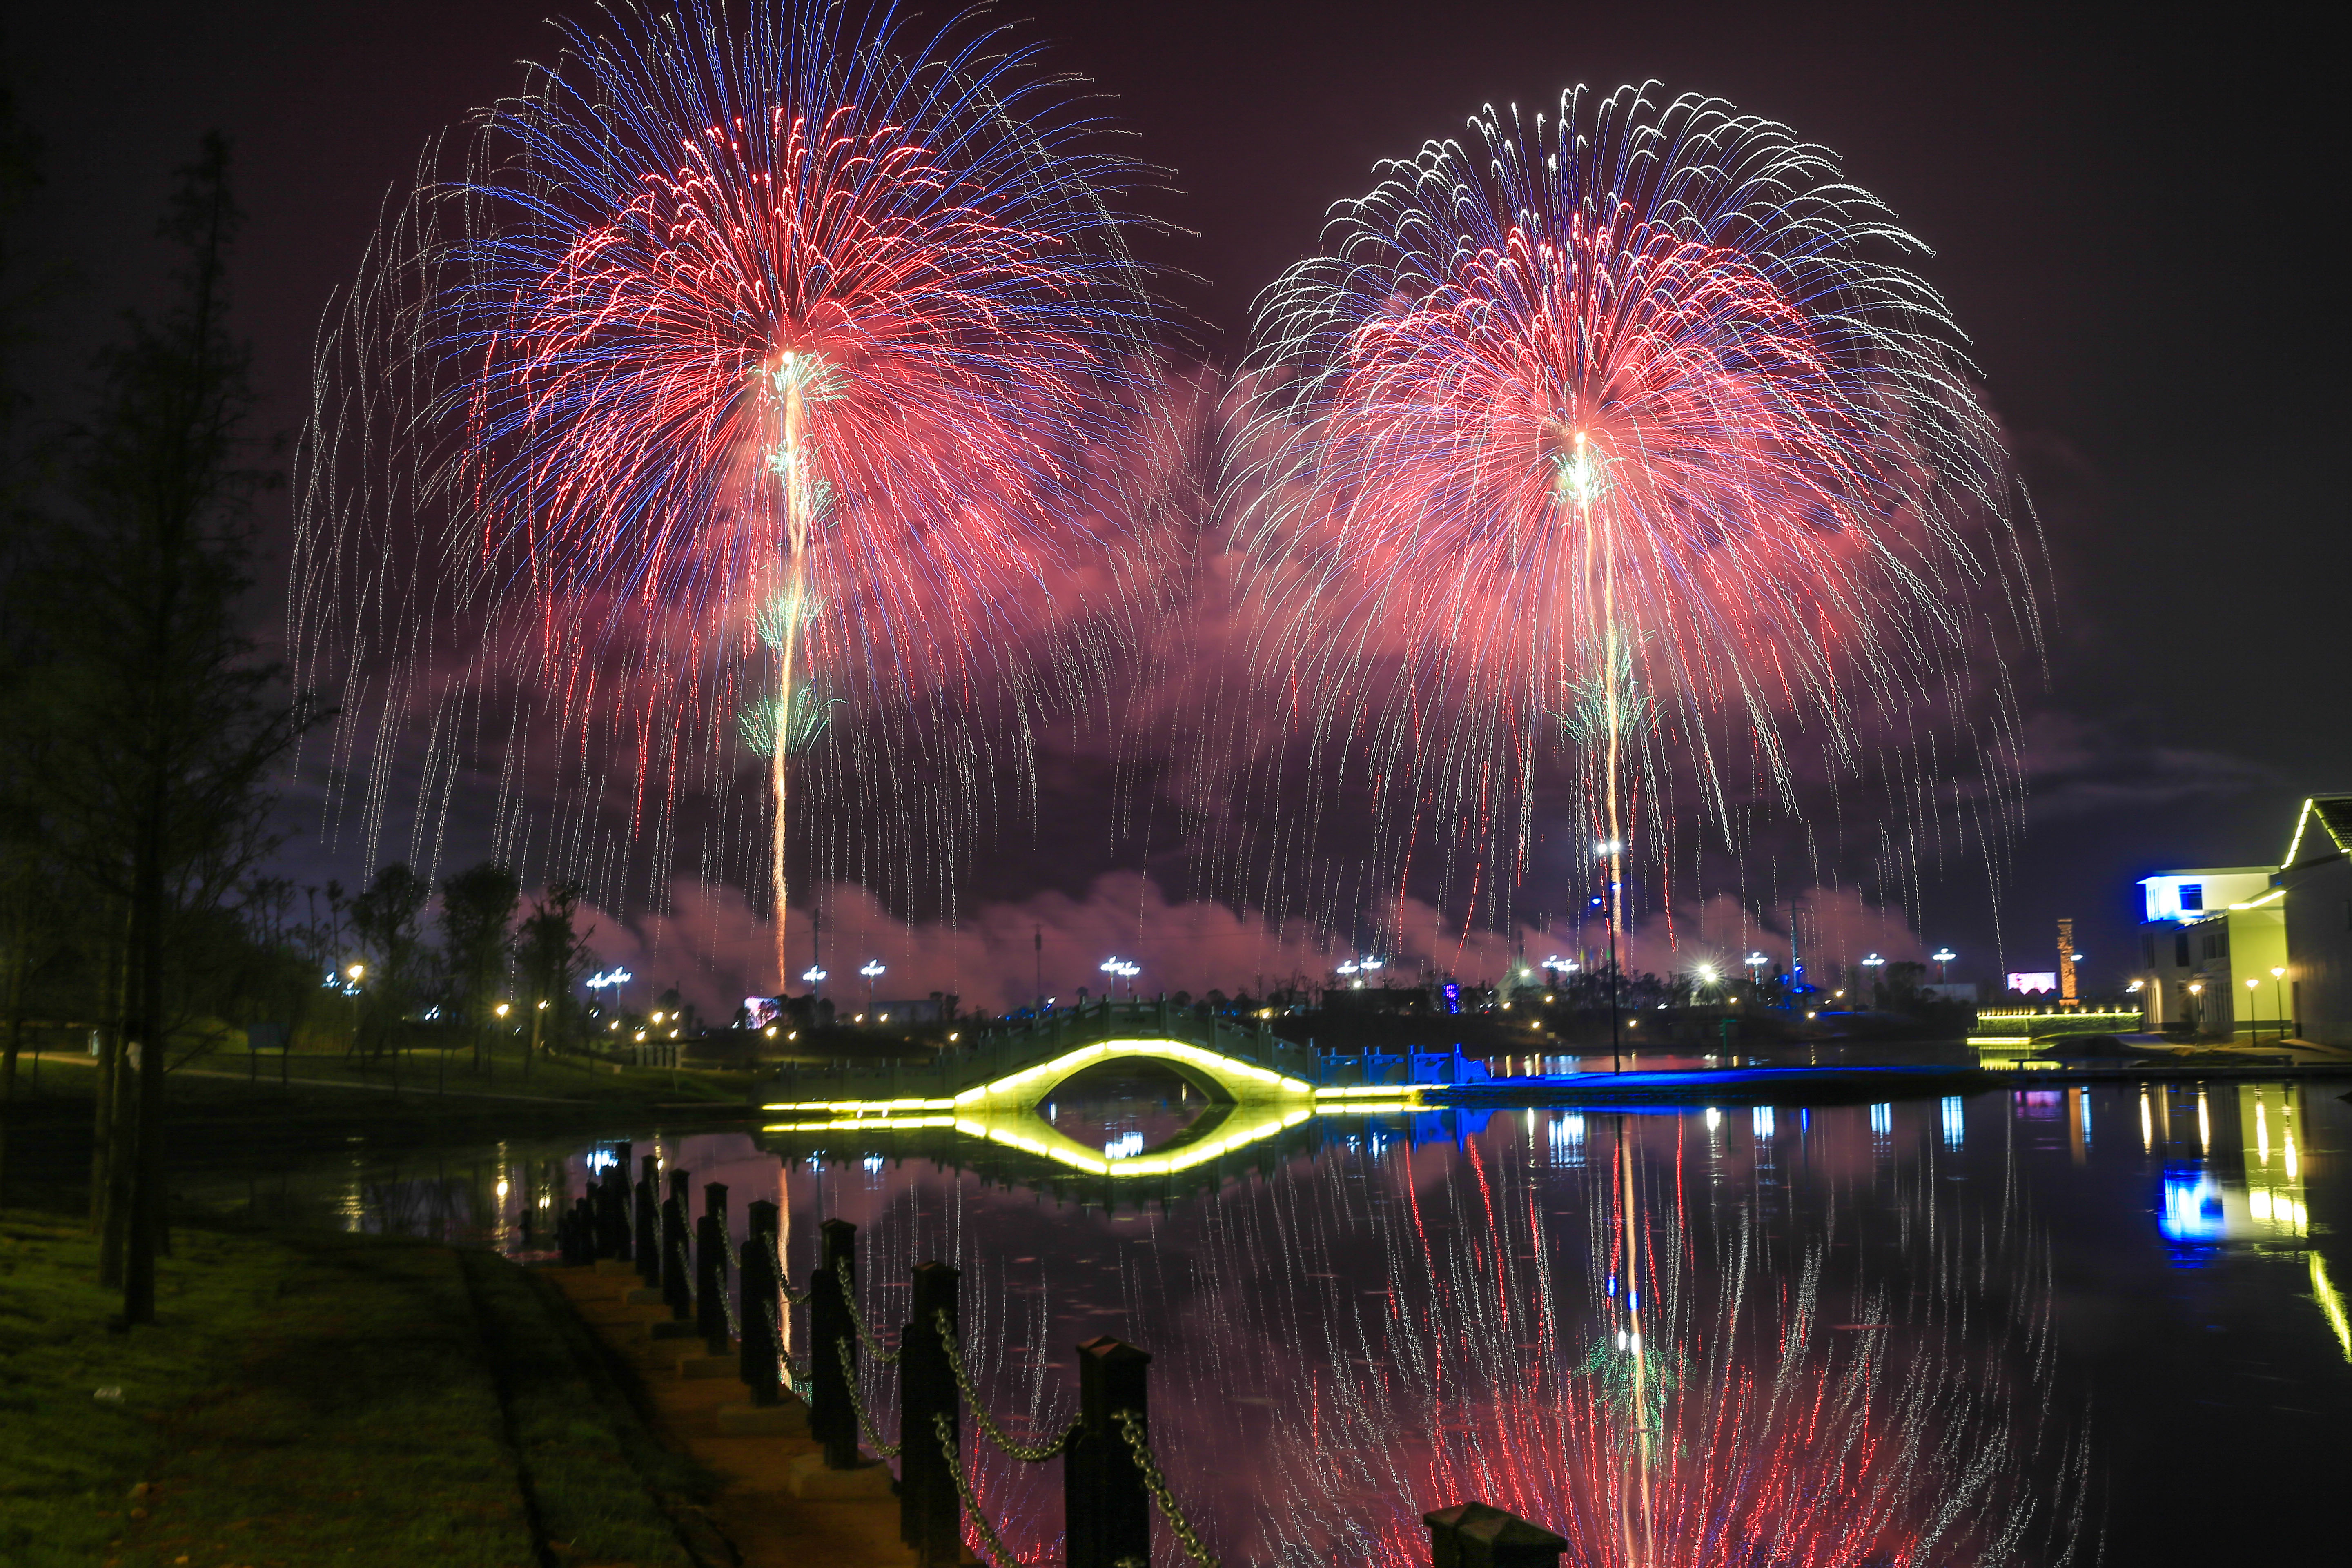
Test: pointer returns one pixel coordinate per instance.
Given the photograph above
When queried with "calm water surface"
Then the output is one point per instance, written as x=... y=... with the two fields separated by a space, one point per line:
x=2036 y=1326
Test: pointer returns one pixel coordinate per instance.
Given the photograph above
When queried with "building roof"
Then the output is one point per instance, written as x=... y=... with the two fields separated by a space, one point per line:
x=2334 y=814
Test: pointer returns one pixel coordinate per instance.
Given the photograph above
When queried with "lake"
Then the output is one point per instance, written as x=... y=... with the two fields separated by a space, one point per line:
x=2033 y=1325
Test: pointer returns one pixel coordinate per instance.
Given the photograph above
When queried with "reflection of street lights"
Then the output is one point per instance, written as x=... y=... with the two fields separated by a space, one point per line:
x=1943 y=957
x=2278 y=999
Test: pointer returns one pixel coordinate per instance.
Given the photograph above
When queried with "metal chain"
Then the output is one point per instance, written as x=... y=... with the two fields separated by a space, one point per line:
x=980 y=1413
x=1157 y=1485
x=856 y=1320
x=786 y=1378
x=865 y=1423
x=783 y=1280
x=996 y=1547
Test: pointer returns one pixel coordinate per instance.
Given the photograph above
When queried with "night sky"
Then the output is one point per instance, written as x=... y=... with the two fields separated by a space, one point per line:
x=2121 y=205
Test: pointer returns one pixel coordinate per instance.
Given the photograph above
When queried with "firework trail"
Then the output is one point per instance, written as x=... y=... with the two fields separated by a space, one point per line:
x=1612 y=435
x=767 y=382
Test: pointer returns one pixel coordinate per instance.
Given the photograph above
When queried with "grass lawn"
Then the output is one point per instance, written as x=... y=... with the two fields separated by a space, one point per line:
x=318 y=1398
x=422 y=1073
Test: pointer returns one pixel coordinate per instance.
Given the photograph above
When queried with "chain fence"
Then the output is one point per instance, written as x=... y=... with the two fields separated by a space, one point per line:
x=994 y=1543
x=800 y=1384
x=783 y=1280
x=988 y=1425
x=858 y=1403
x=1157 y=1485
x=857 y=1320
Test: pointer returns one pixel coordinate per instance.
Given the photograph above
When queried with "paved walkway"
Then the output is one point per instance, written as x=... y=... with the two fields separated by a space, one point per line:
x=756 y=1510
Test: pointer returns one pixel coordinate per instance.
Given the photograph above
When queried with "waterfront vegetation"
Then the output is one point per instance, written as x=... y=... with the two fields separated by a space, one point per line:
x=316 y=1397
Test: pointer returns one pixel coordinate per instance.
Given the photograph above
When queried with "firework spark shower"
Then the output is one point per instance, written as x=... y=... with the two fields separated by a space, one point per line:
x=1619 y=436
x=769 y=376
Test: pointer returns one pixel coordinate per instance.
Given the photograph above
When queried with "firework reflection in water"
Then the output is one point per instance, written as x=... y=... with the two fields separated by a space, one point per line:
x=1665 y=1374
x=1635 y=1331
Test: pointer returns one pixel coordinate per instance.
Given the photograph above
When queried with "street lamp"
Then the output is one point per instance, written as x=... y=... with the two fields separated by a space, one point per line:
x=2254 y=1023
x=1943 y=957
x=1872 y=961
x=814 y=976
x=872 y=970
x=2278 y=998
x=1608 y=849
x=1118 y=968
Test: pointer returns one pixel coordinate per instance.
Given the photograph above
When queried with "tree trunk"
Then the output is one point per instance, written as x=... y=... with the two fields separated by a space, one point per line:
x=8 y=1061
x=147 y=1166
x=122 y=1149
x=101 y=1127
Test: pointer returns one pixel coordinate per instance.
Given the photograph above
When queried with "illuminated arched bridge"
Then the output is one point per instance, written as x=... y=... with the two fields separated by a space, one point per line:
x=1256 y=1083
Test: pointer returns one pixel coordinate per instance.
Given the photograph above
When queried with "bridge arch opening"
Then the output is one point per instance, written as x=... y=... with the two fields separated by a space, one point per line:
x=1219 y=1076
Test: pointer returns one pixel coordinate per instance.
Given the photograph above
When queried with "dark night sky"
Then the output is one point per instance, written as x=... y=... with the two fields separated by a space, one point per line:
x=2120 y=204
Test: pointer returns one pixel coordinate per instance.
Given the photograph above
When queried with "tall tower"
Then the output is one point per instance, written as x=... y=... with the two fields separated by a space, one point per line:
x=2066 y=963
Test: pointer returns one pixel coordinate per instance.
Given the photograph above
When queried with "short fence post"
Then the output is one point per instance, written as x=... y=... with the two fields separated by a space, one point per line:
x=612 y=1201
x=649 y=1222
x=1472 y=1535
x=833 y=1346
x=710 y=1268
x=757 y=1364
x=1107 y=1511
x=673 y=1225
x=930 y=1513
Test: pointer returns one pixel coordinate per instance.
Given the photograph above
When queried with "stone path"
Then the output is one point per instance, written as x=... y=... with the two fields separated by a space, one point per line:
x=769 y=1508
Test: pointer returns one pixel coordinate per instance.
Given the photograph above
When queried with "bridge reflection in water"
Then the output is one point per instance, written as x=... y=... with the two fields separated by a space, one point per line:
x=1244 y=1105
